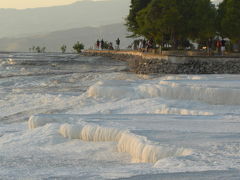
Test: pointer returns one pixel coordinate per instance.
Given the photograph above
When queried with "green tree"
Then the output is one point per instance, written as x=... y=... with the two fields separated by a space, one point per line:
x=78 y=47
x=63 y=48
x=174 y=21
x=38 y=49
x=198 y=19
x=221 y=11
x=160 y=19
x=229 y=19
x=135 y=7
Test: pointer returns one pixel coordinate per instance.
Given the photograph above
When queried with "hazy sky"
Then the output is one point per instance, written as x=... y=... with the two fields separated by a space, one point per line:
x=23 y=4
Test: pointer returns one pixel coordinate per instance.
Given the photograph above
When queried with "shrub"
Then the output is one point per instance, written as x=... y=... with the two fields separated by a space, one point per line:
x=78 y=47
x=63 y=48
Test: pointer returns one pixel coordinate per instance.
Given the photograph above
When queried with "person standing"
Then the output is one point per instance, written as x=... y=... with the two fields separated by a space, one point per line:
x=118 y=43
x=98 y=44
x=223 y=48
x=210 y=44
x=140 y=45
x=218 y=45
x=102 y=44
x=144 y=44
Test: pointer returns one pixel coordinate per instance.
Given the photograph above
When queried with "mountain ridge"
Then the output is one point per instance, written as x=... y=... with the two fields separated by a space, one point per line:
x=16 y=23
x=54 y=40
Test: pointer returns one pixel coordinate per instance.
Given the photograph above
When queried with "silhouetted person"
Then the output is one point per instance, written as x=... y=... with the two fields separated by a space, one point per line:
x=210 y=46
x=223 y=48
x=98 y=44
x=149 y=44
x=110 y=46
x=118 y=43
x=219 y=45
x=102 y=44
x=144 y=44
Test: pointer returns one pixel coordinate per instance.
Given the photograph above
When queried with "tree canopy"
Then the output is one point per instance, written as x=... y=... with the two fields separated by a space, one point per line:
x=156 y=20
x=135 y=7
x=177 y=20
x=78 y=47
x=229 y=19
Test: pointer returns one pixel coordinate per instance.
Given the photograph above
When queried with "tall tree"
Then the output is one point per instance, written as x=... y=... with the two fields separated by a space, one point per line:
x=205 y=20
x=221 y=11
x=230 y=20
x=176 y=20
x=135 y=7
x=159 y=20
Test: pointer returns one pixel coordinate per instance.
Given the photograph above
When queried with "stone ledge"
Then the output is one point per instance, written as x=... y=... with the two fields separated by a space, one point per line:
x=146 y=63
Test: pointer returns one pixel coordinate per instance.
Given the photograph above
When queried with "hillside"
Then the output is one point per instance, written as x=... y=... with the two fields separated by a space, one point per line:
x=43 y=20
x=54 y=40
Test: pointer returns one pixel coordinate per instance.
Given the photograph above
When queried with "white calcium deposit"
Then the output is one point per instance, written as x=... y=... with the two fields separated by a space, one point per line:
x=73 y=117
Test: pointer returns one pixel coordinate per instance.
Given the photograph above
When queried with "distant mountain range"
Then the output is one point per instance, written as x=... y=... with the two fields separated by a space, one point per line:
x=15 y=23
x=54 y=40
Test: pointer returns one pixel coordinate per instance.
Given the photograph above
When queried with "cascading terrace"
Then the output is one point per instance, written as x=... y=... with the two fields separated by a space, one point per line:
x=140 y=149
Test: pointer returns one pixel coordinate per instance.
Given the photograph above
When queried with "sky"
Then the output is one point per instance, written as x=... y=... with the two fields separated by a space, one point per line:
x=24 y=4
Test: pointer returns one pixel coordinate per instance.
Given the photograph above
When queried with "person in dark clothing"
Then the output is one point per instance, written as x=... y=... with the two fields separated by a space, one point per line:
x=144 y=44
x=210 y=46
x=223 y=48
x=98 y=44
x=118 y=43
x=149 y=44
x=110 y=46
x=218 y=45
x=102 y=44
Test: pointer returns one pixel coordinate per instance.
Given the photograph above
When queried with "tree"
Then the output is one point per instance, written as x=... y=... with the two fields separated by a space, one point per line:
x=161 y=19
x=135 y=7
x=221 y=11
x=63 y=48
x=175 y=21
x=43 y=49
x=38 y=49
x=78 y=47
x=229 y=19
x=203 y=24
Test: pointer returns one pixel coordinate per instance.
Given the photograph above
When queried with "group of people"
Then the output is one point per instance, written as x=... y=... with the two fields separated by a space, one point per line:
x=100 y=45
x=219 y=45
x=142 y=45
